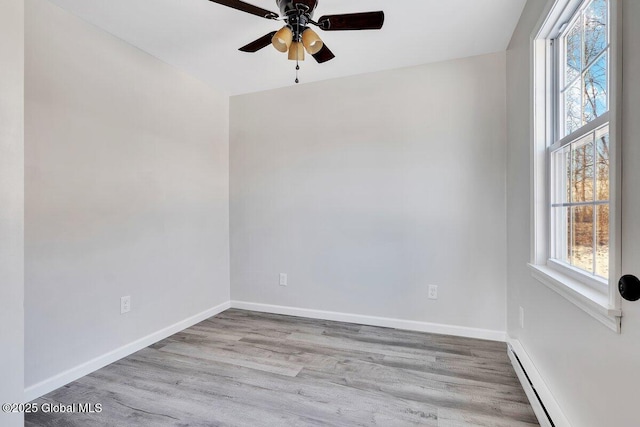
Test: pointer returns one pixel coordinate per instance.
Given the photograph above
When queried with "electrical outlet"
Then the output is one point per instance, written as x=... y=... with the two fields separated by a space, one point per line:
x=283 y=279
x=521 y=318
x=433 y=292
x=125 y=304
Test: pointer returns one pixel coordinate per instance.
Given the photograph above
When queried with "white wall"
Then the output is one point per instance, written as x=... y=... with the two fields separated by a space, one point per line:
x=367 y=189
x=126 y=193
x=592 y=372
x=11 y=206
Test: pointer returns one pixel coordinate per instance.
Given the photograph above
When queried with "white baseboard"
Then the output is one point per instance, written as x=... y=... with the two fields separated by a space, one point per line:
x=387 y=322
x=63 y=378
x=535 y=387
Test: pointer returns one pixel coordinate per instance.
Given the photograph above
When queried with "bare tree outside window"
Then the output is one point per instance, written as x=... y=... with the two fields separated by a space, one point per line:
x=586 y=50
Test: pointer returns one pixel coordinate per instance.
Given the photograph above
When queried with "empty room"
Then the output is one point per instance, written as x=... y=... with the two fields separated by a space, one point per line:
x=319 y=213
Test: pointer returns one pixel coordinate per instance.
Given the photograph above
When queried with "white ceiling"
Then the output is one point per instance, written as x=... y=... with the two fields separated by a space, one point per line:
x=202 y=38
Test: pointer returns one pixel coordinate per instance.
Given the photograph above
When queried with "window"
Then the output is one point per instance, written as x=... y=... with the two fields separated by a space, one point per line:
x=579 y=154
x=575 y=125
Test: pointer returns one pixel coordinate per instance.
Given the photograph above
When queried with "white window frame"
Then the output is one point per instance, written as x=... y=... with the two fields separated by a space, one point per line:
x=589 y=294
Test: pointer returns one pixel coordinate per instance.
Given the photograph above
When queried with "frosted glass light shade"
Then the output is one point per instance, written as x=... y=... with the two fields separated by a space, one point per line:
x=282 y=39
x=296 y=51
x=311 y=41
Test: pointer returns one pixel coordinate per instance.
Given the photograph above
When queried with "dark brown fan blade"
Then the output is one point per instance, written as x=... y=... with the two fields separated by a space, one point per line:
x=246 y=7
x=258 y=44
x=352 y=21
x=324 y=55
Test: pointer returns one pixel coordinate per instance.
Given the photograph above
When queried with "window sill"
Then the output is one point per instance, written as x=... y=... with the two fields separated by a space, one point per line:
x=583 y=296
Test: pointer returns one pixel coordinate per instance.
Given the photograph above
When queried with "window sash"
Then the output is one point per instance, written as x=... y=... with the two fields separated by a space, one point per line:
x=559 y=199
x=559 y=85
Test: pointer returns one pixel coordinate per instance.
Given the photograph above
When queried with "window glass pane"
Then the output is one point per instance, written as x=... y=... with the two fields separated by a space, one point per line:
x=602 y=241
x=582 y=237
x=573 y=48
x=595 y=30
x=595 y=89
x=582 y=173
x=573 y=113
x=602 y=164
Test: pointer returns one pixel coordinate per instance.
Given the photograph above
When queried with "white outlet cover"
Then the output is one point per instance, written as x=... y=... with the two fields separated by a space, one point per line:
x=521 y=318
x=433 y=292
x=283 y=279
x=125 y=304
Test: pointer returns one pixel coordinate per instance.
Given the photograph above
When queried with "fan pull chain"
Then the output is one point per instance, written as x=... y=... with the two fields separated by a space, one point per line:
x=297 y=69
x=297 y=50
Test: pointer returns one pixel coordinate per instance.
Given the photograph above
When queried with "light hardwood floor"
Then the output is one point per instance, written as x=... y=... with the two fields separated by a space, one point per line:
x=242 y=368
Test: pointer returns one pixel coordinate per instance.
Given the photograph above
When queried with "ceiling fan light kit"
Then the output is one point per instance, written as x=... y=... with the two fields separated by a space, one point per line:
x=296 y=36
x=282 y=39
x=296 y=52
x=311 y=41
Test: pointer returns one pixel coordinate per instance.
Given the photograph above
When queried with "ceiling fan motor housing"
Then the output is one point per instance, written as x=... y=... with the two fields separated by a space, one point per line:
x=293 y=7
x=298 y=14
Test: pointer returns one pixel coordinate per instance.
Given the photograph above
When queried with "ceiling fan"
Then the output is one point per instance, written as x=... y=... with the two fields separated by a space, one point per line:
x=296 y=36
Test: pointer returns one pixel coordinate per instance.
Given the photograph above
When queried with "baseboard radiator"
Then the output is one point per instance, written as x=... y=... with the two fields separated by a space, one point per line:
x=534 y=398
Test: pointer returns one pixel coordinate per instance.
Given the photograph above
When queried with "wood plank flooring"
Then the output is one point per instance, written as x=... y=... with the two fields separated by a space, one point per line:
x=242 y=368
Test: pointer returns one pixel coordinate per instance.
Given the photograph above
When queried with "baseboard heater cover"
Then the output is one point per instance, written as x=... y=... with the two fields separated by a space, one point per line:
x=534 y=398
